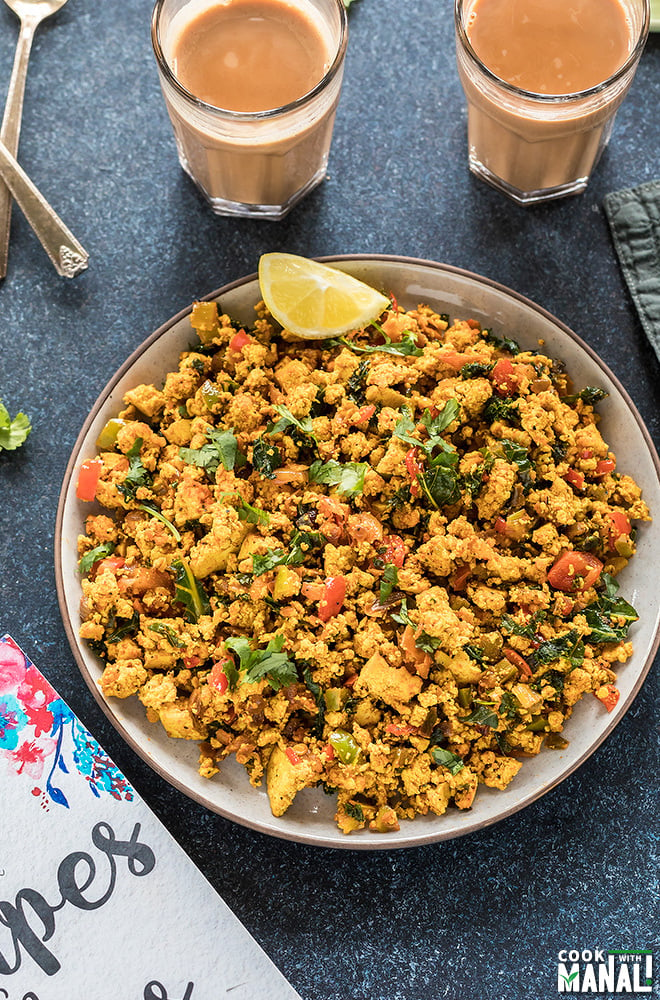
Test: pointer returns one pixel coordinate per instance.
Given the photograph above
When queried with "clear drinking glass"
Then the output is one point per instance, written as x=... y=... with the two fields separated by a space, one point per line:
x=535 y=147
x=253 y=164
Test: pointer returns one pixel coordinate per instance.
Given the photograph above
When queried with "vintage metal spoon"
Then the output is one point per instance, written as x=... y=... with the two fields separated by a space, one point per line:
x=30 y=13
x=68 y=256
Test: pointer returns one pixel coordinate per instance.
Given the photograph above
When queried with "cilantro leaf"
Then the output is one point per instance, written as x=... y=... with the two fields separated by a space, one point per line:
x=221 y=448
x=95 y=555
x=287 y=420
x=347 y=477
x=246 y=512
x=14 y=432
x=137 y=475
x=406 y=347
x=301 y=543
x=271 y=559
x=270 y=663
x=388 y=581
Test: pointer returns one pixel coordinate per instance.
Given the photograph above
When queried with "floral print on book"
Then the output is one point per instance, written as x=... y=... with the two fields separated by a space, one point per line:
x=40 y=737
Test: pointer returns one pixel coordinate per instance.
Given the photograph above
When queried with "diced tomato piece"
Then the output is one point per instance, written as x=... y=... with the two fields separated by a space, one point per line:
x=456 y=360
x=292 y=755
x=575 y=478
x=505 y=377
x=329 y=751
x=414 y=467
x=395 y=550
x=609 y=695
x=574 y=571
x=395 y=730
x=112 y=563
x=334 y=593
x=190 y=662
x=88 y=479
x=604 y=466
x=365 y=413
x=500 y=525
x=620 y=525
x=239 y=341
x=218 y=678
x=586 y=453
x=312 y=591
x=518 y=661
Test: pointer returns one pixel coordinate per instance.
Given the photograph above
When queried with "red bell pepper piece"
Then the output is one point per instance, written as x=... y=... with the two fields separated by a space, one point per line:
x=574 y=478
x=88 y=479
x=604 y=466
x=239 y=341
x=218 y=678
x=505 y=378
x=609 y=695
x=620 y=526
x=334 y=593
x=414 y=467
x=574 y=571
x=395 y=550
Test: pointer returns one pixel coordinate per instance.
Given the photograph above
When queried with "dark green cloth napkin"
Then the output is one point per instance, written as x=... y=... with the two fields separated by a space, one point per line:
x=634 y=218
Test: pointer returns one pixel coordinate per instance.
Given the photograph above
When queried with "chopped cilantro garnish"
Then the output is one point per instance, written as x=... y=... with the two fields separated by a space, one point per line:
x=269 y=664
x=221 y=448
x=95 y=555
x=137 y=475
x=14 y=432
x=348 y=477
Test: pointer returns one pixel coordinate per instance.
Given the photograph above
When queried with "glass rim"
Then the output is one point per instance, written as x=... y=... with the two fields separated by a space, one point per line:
x=533 y=95
x=249 y=116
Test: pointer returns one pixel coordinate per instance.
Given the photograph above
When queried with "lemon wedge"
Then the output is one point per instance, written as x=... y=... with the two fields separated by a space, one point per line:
x=313 y=300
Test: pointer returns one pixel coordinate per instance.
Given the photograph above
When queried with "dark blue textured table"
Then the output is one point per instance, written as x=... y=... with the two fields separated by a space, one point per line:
x=480 y=917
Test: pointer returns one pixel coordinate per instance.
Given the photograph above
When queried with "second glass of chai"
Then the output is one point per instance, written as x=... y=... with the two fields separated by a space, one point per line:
x=543 y=81
x=251 y=87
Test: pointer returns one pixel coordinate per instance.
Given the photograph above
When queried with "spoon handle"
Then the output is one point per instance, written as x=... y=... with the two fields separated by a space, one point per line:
x=64 y=250
x=11 y=127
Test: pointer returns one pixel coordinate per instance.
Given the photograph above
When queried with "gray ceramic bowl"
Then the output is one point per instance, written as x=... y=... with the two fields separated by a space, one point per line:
x=310 y=819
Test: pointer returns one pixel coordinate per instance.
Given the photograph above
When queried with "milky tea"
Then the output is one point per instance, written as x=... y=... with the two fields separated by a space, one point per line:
x=543 y=82
x=251 y=87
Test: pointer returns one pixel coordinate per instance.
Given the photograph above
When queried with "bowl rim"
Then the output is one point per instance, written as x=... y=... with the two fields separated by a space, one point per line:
x=319 y=840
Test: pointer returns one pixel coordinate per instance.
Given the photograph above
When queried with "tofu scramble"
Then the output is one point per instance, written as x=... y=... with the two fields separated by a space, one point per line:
x=384 y=564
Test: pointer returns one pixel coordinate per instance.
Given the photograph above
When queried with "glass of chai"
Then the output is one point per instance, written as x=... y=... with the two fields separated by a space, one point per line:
x=543 y=81
x=251 y=87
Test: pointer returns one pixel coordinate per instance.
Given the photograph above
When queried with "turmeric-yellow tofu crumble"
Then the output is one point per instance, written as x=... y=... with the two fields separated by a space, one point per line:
x=383 y=564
